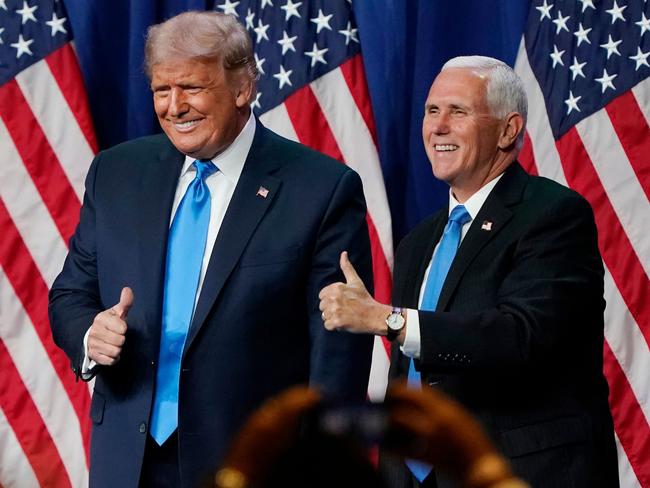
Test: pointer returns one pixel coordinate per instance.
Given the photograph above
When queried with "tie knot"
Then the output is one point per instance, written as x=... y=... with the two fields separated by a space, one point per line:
x=460 y=214
x=204 y=168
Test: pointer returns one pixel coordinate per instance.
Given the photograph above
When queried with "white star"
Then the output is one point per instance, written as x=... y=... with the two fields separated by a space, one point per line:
x=291 y=10
x=587 y=3
x=249 y=19
x=259 y=62
x=606 y=81
x=22 y=46
x=229 y=8
x=643 y=23
x=576 y=68
x=544 y=10
x=283 y=77
x=641 y=58
x=560 y=22
x=57 y=24
x=266 y=2
x=260 y=30
x=616 y=12
x=350 y=33
x=287 y=42
x=556 y=56
x=572 y=103
x=581 y=34
x=27 y=12
x=1 y=31
x=316 y=55
x=322 y=21
x=611 y=46
x=256 y=102
x=3 y=5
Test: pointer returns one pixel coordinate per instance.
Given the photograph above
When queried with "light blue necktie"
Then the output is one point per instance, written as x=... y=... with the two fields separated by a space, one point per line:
x=185 y=248
x=437 y=275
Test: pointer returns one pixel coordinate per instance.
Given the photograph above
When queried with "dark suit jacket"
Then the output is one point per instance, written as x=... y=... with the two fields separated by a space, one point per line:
x=257 y=327
x=517 y=337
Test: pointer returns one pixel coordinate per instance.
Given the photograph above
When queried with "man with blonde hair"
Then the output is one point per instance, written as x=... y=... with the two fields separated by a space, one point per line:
x=190 y=292
x=498 y=298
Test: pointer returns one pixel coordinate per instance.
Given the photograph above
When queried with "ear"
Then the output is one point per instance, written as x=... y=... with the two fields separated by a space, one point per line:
x=513 y=125
x=245 y=92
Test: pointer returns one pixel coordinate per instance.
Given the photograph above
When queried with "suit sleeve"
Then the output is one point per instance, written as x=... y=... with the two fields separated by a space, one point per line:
x=74 y=298
x=340 y=362
x=549 y=299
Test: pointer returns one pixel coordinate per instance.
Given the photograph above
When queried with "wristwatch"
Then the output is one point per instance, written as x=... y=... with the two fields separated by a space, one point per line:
x=395 y=322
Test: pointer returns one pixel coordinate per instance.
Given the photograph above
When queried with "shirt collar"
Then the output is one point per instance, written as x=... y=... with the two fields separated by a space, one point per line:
x=475 y=202
x=231 y=161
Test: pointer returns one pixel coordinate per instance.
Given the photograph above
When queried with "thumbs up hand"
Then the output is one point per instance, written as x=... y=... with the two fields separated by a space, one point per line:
x=108 y=331
x=348 y=306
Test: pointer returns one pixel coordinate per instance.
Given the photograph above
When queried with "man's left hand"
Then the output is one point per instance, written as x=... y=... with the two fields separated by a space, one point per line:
x=348 y=306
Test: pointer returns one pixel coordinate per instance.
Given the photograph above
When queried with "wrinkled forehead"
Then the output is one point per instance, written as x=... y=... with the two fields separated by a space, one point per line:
x=468 y=85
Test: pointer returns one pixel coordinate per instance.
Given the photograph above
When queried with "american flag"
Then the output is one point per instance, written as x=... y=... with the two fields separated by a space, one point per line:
x=585 y=65
x=46 y=145
x=313 y=90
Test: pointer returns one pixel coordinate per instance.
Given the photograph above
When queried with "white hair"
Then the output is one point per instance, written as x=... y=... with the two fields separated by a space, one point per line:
x=505 y=90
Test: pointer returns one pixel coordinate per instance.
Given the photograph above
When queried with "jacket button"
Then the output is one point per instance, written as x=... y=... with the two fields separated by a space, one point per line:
x=143 y=427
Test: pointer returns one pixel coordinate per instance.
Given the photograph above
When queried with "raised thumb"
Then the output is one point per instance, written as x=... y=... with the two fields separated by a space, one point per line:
x=351 y=276
x=125 y=304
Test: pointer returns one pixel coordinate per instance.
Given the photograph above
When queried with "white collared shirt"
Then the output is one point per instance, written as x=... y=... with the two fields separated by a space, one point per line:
x=221 y=183
x=412 y=343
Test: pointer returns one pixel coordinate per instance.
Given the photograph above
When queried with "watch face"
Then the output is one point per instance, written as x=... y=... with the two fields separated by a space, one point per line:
x=395 y=321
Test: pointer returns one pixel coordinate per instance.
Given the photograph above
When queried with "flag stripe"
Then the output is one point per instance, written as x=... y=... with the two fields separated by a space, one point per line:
x=631 y=427
x=32 y=292
x=634 y=134
x=378 y=371
x=619 y=182
x=39 y=158
x=57 y=122
x=27 y=424
x=625 y=472
x=28 y=211
x=354 y=75
x=615 y=247
x=42 y=383
x=278 y=120
x=642 y=94
x=357 y=147
x=15 y=470
x=65 y=68
x=526 y=156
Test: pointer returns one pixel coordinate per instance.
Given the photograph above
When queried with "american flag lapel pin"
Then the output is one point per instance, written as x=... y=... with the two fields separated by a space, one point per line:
x=486 y=225
x=262 y=192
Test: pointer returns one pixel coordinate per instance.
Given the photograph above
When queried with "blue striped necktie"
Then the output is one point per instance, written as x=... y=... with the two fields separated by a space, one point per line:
x=437 y=275
x=185 y=249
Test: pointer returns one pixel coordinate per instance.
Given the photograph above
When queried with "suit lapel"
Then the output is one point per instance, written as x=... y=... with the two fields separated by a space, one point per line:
x=161 y=175
x=244 y=212
x=493 y=216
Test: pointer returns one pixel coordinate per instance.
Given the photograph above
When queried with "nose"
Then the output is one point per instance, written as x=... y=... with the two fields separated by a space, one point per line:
x=177 y=104
x=440 y=123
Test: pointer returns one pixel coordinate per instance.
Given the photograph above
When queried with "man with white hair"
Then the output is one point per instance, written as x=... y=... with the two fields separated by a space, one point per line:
x=191 y=288
x=498 y=298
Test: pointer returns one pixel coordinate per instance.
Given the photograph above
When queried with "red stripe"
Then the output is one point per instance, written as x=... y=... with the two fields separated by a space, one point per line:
x=65 y=68
x=526 y=156
x=310 y=124
x=355 y=77
x=616 y=249
x=629 y=421
x=632 y=130
x=39 y=159
x=30 y=288
x=28 y=425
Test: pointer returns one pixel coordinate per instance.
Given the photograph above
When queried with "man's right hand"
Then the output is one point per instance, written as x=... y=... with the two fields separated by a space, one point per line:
x=107 y=333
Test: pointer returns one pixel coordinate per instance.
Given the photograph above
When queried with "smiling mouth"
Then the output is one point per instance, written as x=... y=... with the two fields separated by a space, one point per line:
x=183 y=126
x=445 y=147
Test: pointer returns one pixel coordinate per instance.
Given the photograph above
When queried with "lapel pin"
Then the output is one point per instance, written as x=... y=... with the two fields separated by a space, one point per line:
x=487 y=225
x=262 y=192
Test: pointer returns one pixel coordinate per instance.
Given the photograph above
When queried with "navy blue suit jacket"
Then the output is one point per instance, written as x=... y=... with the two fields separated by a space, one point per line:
x=256 y=329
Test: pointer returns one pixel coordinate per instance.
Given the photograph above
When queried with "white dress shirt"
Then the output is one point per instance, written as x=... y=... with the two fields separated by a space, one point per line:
x=412 y=344
x=221 y=183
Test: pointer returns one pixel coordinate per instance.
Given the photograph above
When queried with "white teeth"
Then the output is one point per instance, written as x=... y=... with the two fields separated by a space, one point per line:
x=445 y=147
x=186 y=125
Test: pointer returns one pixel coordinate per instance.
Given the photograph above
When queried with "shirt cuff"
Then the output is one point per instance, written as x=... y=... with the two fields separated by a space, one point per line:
x=411 y=346
x=88 y=364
